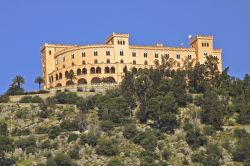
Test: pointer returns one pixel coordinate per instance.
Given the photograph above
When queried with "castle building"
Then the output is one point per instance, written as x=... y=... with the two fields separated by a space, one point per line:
x=94 y=63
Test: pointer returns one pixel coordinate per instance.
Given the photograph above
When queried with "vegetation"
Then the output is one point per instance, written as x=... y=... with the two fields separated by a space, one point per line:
x=196 y=116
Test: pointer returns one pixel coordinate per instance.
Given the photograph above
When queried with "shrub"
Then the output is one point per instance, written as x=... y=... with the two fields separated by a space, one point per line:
x=26 y=143
x=198 y=100
x=88 y=139
x=72 y=137
x=107 y=147
x=4 y=99
x=44 y=113
x=92 y=89
x=240 y=133
x=21 y=114
x=54 y=131
x=79 y=89
x=107 y=125
x=3 y=128
x=41 y=130
x=68 y=125
x=66 y=98
x=74 y=153
x=46 y=144
x=19 y=132
x=26 y=99
x=147 y=158
x=115 y=162
x=195 y=139
x=208 y=130
x=31 y=149
x=63 y=160
x=130 y=131
x=6 y=161
x=37 y=99
x=51 y=162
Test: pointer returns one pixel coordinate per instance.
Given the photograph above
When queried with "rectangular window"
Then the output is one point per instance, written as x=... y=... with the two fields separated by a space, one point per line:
x=167 y=56
x=107 y=52
x=205 y=54
x=145 y=54
x=95 y=53
x=72 y=55
x=121 y=52
x=83 y=54
x=189 y=56
x=178 y=56
x=63 y=58
x=133 y=54
x=156 y=54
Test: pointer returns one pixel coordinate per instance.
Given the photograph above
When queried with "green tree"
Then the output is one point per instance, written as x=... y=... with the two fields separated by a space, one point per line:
x=18 y=81
x=107 y=147
x=39 y=81
x=212 y=109
x=128 y=89
x=144 y=89
x=71 y=76
x=162 y=110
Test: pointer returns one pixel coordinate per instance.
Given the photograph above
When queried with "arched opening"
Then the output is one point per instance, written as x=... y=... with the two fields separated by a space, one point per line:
x=178 y=64
x=69 y=83
x=145 y=62
x=134 y=62
x=92 y=70
x=98 y=70
x=84 y=71
x=112 y=70
x=96 y=80
x=56 y=76
x=121 y=61
x=140 y=69
x=109 y=80
x=52 y=79
x=79 y=72
x=134 y=70
x=59 y=85
x=60 y=75
x=108 y=61
x=66 y=74
x=82 y=81
x=106 y=69
x=71 y=71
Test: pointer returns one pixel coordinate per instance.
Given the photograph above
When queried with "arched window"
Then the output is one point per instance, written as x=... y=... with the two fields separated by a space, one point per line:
x=107 y=61
x=84 y=71
x=60 y=75
x=73 y=64
x=98 y=70
x=96 y=80
x=112 y=70
x=106 y=69
x=82 y=81
x=145 y=62
x=134 y=62
x=95 y=61
x=121 y=61
x=178 y=64
x=79 y=72
x=58 y=85
x=92 y=70
x=109 y=80
x=56 y=76
x=66 y=74
x=84 y=62
x=134 y=70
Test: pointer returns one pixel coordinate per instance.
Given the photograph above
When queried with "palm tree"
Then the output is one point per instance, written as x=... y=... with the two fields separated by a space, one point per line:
x=71 y=76
x=18 y=81
x=39 y=81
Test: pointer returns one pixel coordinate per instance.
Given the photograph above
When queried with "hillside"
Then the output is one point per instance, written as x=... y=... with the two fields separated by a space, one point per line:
x=157 y=117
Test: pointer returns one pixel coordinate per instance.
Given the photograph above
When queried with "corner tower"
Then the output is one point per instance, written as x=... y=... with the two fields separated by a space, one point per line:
x=204 y=47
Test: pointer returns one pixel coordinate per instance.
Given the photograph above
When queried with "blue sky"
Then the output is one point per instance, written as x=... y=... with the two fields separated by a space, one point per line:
x=25 y=25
